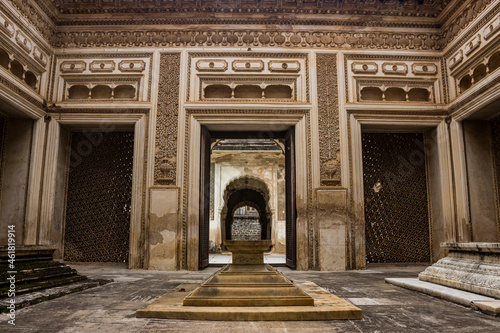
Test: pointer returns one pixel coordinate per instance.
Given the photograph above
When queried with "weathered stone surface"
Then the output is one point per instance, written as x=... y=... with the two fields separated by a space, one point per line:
x=37 y=277
x=329 y=307
x=111 y=308
x=473 y=267
x=248 y=252
x=248 y=282
x=164 y=218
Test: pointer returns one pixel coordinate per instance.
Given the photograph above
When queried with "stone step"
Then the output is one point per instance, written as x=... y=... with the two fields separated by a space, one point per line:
x=50 y=293
x=43 y=284
x=488 y=305
x=34 y=270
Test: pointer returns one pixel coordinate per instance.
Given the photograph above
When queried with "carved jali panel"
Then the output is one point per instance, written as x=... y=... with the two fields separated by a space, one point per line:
x=495 y=140
x=395 y=192
x=166 y=120
x=99 y=193
x=328 y=119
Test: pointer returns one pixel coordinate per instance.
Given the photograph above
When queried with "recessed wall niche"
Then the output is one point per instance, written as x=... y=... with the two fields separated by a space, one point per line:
x=477 y=72
x=395 y=94
x=248 y=91
x=102 y=92
x=18 y=69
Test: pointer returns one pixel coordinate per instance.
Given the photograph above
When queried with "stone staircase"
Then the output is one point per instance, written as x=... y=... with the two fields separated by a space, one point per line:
x=37 y=277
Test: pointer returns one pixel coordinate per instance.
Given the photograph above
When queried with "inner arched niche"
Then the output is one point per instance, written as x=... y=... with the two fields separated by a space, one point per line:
x=245 y=223
x=246 y=191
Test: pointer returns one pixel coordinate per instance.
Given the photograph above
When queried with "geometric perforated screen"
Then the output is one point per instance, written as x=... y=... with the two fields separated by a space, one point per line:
x=395 y=195
x=98 y=200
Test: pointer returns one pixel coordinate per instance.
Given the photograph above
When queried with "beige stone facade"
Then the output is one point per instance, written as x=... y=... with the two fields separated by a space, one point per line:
x=330 y=70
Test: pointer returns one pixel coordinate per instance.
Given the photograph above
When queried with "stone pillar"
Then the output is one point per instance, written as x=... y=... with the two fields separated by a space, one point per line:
x=163 y=228
x=331 y=207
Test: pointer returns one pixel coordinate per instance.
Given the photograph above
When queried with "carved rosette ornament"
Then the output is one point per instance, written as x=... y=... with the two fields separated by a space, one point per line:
x=328 y=117
x=166 y=119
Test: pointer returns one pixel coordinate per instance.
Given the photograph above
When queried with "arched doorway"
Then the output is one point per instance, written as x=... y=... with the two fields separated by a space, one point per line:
x=246 y=191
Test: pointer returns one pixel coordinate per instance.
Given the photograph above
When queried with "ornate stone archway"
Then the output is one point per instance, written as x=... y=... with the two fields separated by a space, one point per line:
x=246 y=191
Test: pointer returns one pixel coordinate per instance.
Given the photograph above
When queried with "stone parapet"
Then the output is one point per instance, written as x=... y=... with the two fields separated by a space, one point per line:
x=473 y=267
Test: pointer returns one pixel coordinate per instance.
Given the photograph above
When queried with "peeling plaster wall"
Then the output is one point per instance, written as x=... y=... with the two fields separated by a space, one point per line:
x=163 y=222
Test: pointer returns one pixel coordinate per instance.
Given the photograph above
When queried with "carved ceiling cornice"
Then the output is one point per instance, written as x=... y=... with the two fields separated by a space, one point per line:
x=294 y=23
x=250 y=38
x=419 y=8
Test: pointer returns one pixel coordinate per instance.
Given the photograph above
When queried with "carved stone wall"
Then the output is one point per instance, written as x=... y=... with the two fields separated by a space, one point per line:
x=328 y=116
x=167 y=119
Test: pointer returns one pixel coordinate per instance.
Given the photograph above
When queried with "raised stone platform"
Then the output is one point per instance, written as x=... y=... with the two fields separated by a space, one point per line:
x=326 y=307
x=473 y=267
x=248 y=285
x=248 y=281
x=249 y=290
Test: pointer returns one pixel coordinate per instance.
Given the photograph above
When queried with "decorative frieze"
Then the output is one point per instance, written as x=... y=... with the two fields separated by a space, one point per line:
x=102 y=66
x=250 y=38
x=424 y=69
x=23 y=41
x=132 y=66
x=472 y=45
x=6 y=26
x=167 y=119
x=73 y=66
x=394 y=68
x=244 y=65
x=492 y=28
x=40 y=56
x=91 y=37
x=284 y=66
x=328 y=119
x=456 y=59
x=211 y=65
x=364 y=67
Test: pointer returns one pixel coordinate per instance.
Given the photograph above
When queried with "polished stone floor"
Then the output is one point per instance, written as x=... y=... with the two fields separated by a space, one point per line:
x=111 y=308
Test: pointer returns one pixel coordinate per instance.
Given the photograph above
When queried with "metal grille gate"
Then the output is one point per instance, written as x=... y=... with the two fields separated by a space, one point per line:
x=98 y=197
x=395 y=192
